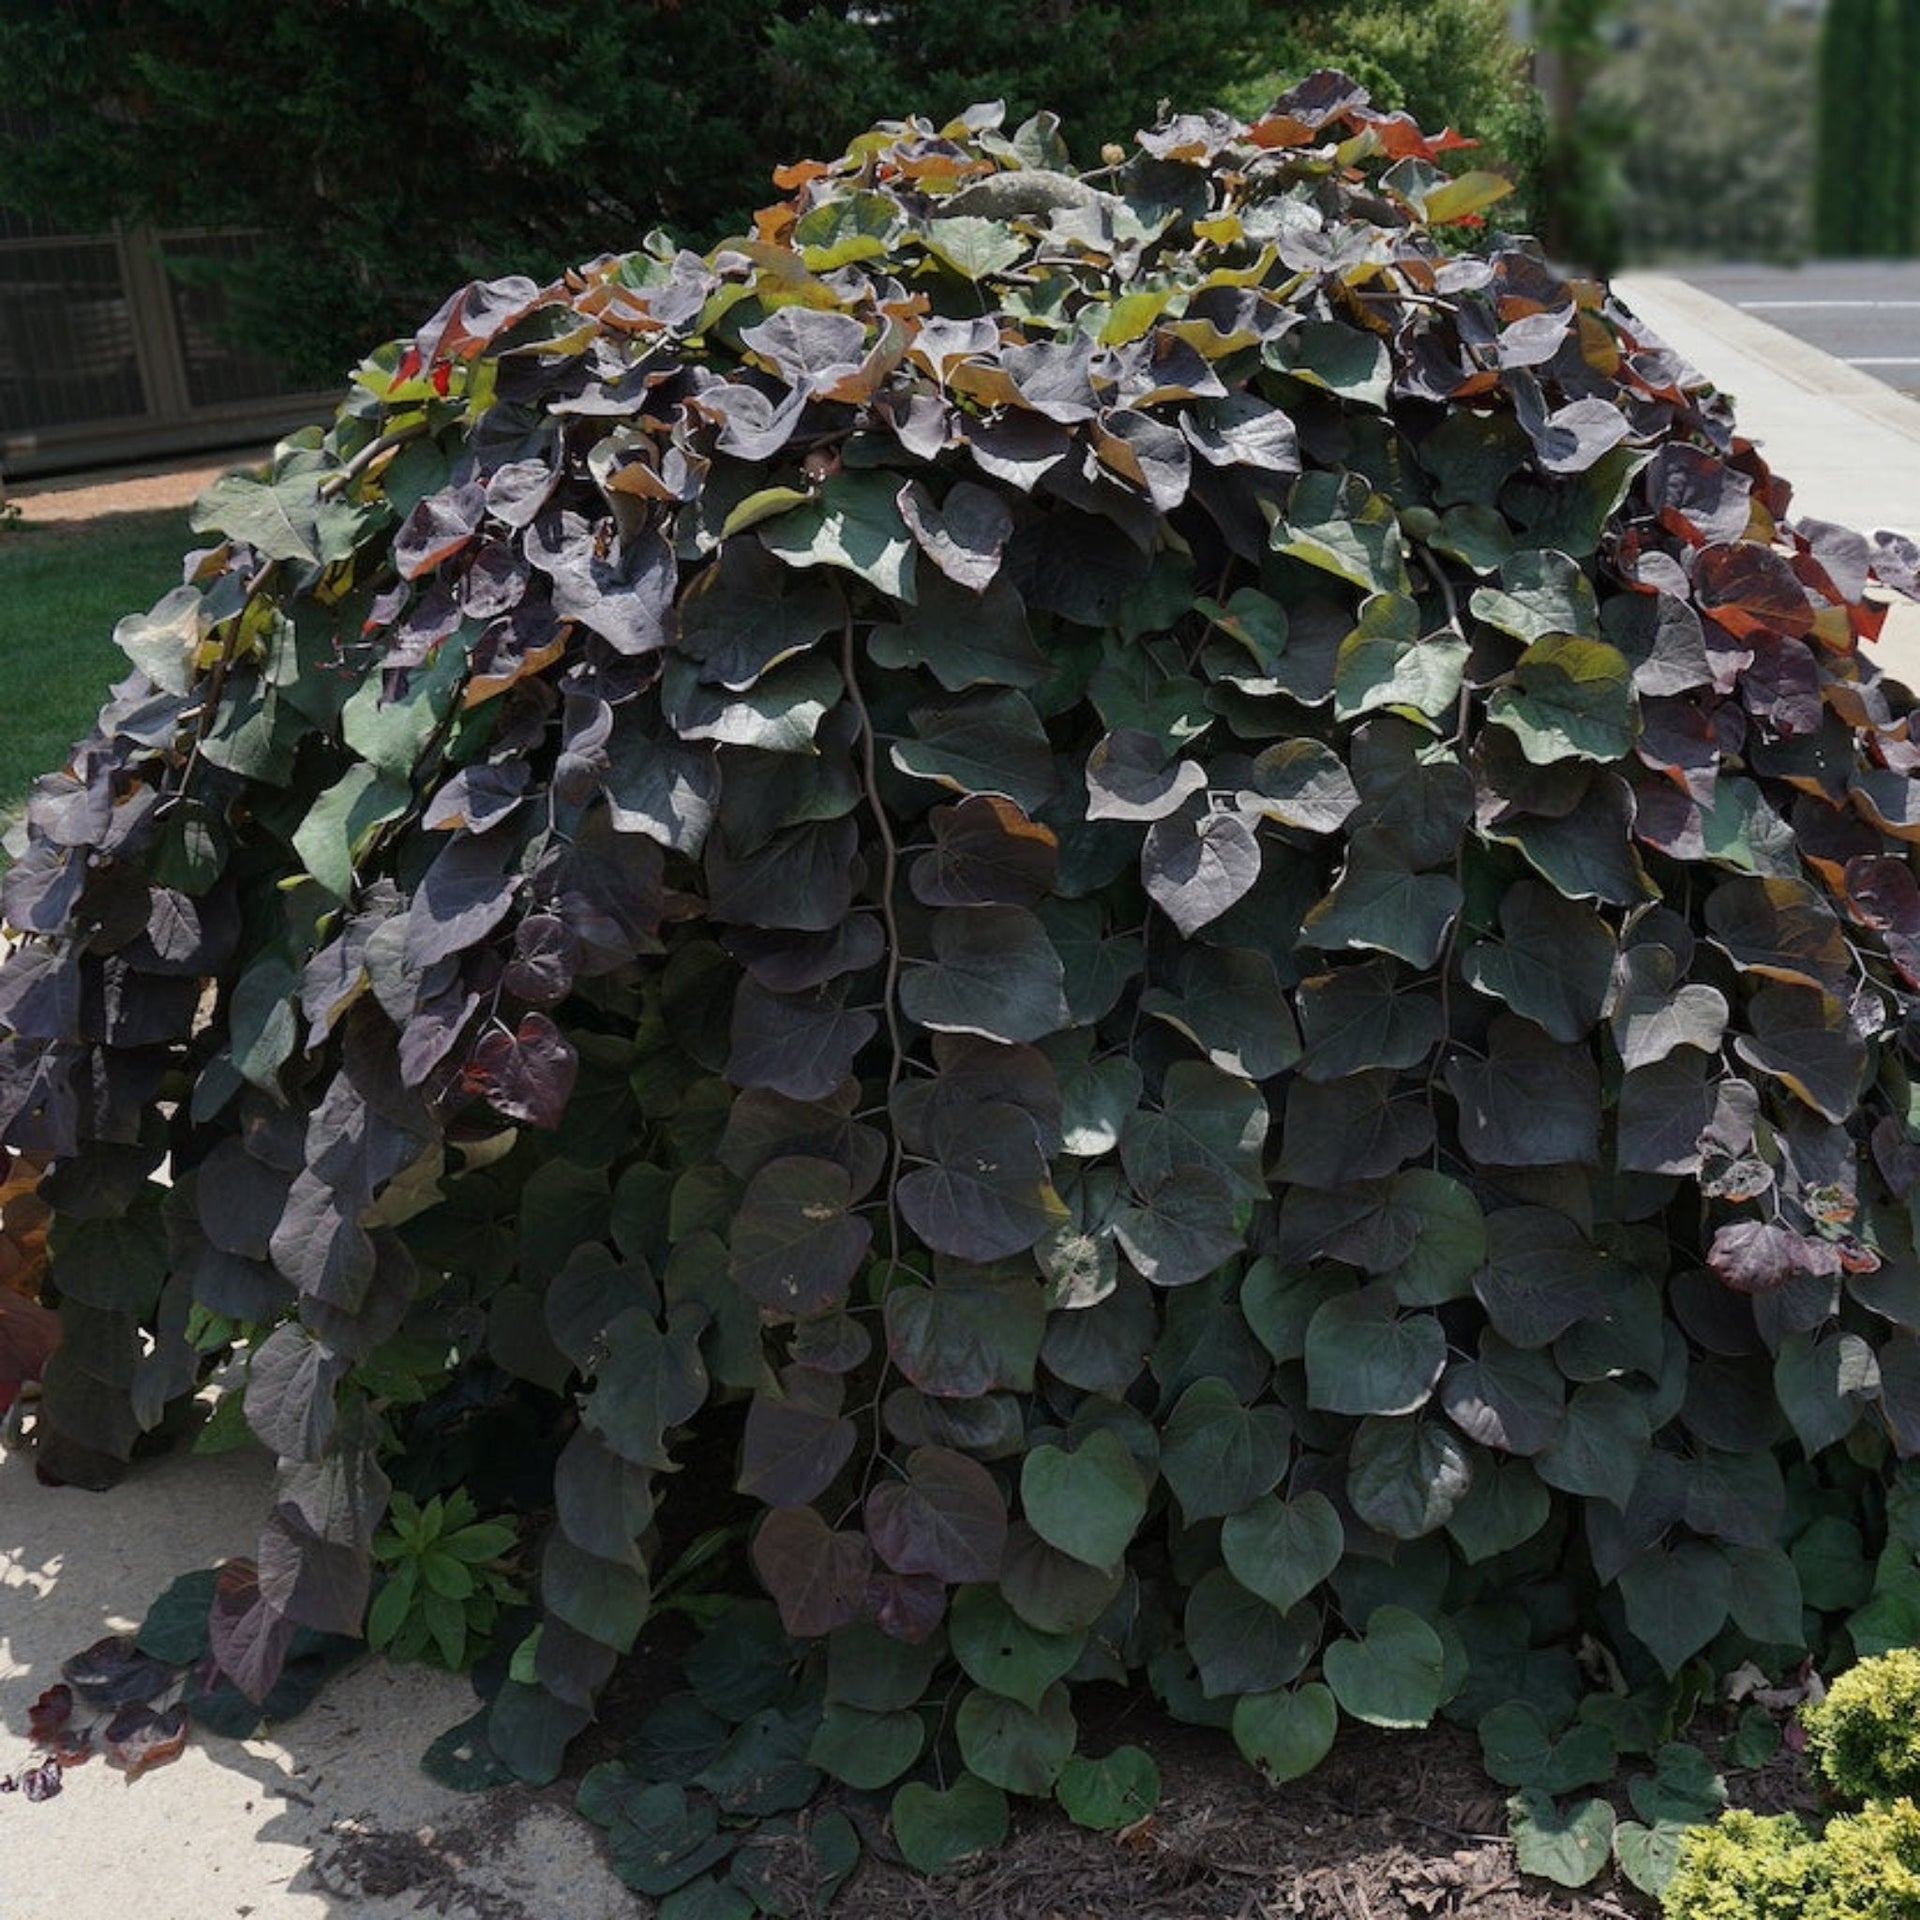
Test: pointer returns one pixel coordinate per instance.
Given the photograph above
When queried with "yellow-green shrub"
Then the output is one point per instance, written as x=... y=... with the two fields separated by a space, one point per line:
x=1747 y=1867
x=1864 y=1738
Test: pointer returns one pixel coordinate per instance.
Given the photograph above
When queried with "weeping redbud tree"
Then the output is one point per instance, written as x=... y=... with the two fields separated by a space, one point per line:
x=1161 y=915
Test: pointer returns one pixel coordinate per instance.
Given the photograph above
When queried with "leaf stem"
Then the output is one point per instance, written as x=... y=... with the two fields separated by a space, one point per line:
x=336 y=484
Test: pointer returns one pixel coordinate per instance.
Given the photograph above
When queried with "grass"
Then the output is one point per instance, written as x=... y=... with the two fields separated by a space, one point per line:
x=61 y=592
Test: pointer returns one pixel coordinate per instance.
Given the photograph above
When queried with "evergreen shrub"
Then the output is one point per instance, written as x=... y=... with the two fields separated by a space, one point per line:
x=1864 y=1737
x=1159 y=920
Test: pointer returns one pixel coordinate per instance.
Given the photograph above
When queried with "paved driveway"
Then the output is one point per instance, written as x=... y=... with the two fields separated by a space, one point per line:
x=1865 y=312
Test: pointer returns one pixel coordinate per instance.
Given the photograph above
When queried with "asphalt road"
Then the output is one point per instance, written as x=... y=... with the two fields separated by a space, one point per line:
x=1865 y=312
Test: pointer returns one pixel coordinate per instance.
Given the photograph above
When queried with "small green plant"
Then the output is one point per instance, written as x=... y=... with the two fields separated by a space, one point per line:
x=445 y=1585
x=1746 y=1867
x=1864 y=1737
x=1866 y=1866
x=1872 y=1864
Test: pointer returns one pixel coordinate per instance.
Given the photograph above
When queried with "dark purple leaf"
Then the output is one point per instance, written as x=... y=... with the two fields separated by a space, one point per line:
x=795 y=1246
x=966 y=1335
x=818 y=1578
x=626 y=598
x=478 y=797
x=946 y=1517
x=1195 y=868
x=790 y=960
x=796 y=1439
x=437 y=529
x=249 y=1638
x=467 y=892
x=988 y=1192
x=1759 y=1256
x=1531 y=1102
x=527 y=1074
x=545 y=957
x=799 y=1044
x=907 y=1606
x=114 y=1673
x=47 y=1717
x=289 y=1393
x=1132 y=776
x=964 y=535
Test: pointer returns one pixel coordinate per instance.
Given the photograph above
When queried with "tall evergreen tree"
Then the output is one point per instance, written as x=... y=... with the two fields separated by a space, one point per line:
x=1867 y=182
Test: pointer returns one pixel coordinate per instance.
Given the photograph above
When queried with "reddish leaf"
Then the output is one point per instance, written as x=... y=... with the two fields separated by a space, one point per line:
x=49 y=1715
x=818 y=1578
x=527 y=1074
x=29 y=1333
x=137 y=1738
x=1747 y=587
x=946 y=1518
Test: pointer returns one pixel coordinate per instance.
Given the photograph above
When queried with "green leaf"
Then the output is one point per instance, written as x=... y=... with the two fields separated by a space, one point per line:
x=1207 y=1119
x=162 y=643
x=1239 y=1644
x=1019 y=1748
x=1394 y=1675
x=936 y=1831
x=1364 y=1355
x=1569 y=1846
x=1553 y=963
x=1336 y=522
x=1340 y=358
x=974 y=247
x=866 y=1750
x=1115 y=1791
x=1601 y=1444
x=1540 y=592
x=1682 y=1787
x=990 y=742
x=1405 y=1475
x=1219 y=1456
x=1648 y=1855
x=1504 y=1507
x=1380 y=902
x=1387 y=662
x=1449 y=1239
x=1570 y=698
x=1283 y=1549
x=993 y=973
x=283 y=518
x=1286 y=1734
x=1000 y=1651
x=1518 y=1751
x=1677 y=1599
x=854 y=523
x=1088 y=1503
x=1231 y=1005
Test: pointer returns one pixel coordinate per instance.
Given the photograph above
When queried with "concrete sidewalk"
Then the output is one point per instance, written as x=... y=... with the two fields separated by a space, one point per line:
x=330 y=1815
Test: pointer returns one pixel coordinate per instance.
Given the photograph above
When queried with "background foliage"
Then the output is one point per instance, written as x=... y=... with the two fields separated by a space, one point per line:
x=1148 y=925
x=388 y=151
x=1698 y=185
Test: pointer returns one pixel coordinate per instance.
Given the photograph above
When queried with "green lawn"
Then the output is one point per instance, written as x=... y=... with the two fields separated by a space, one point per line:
x=61 y=591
